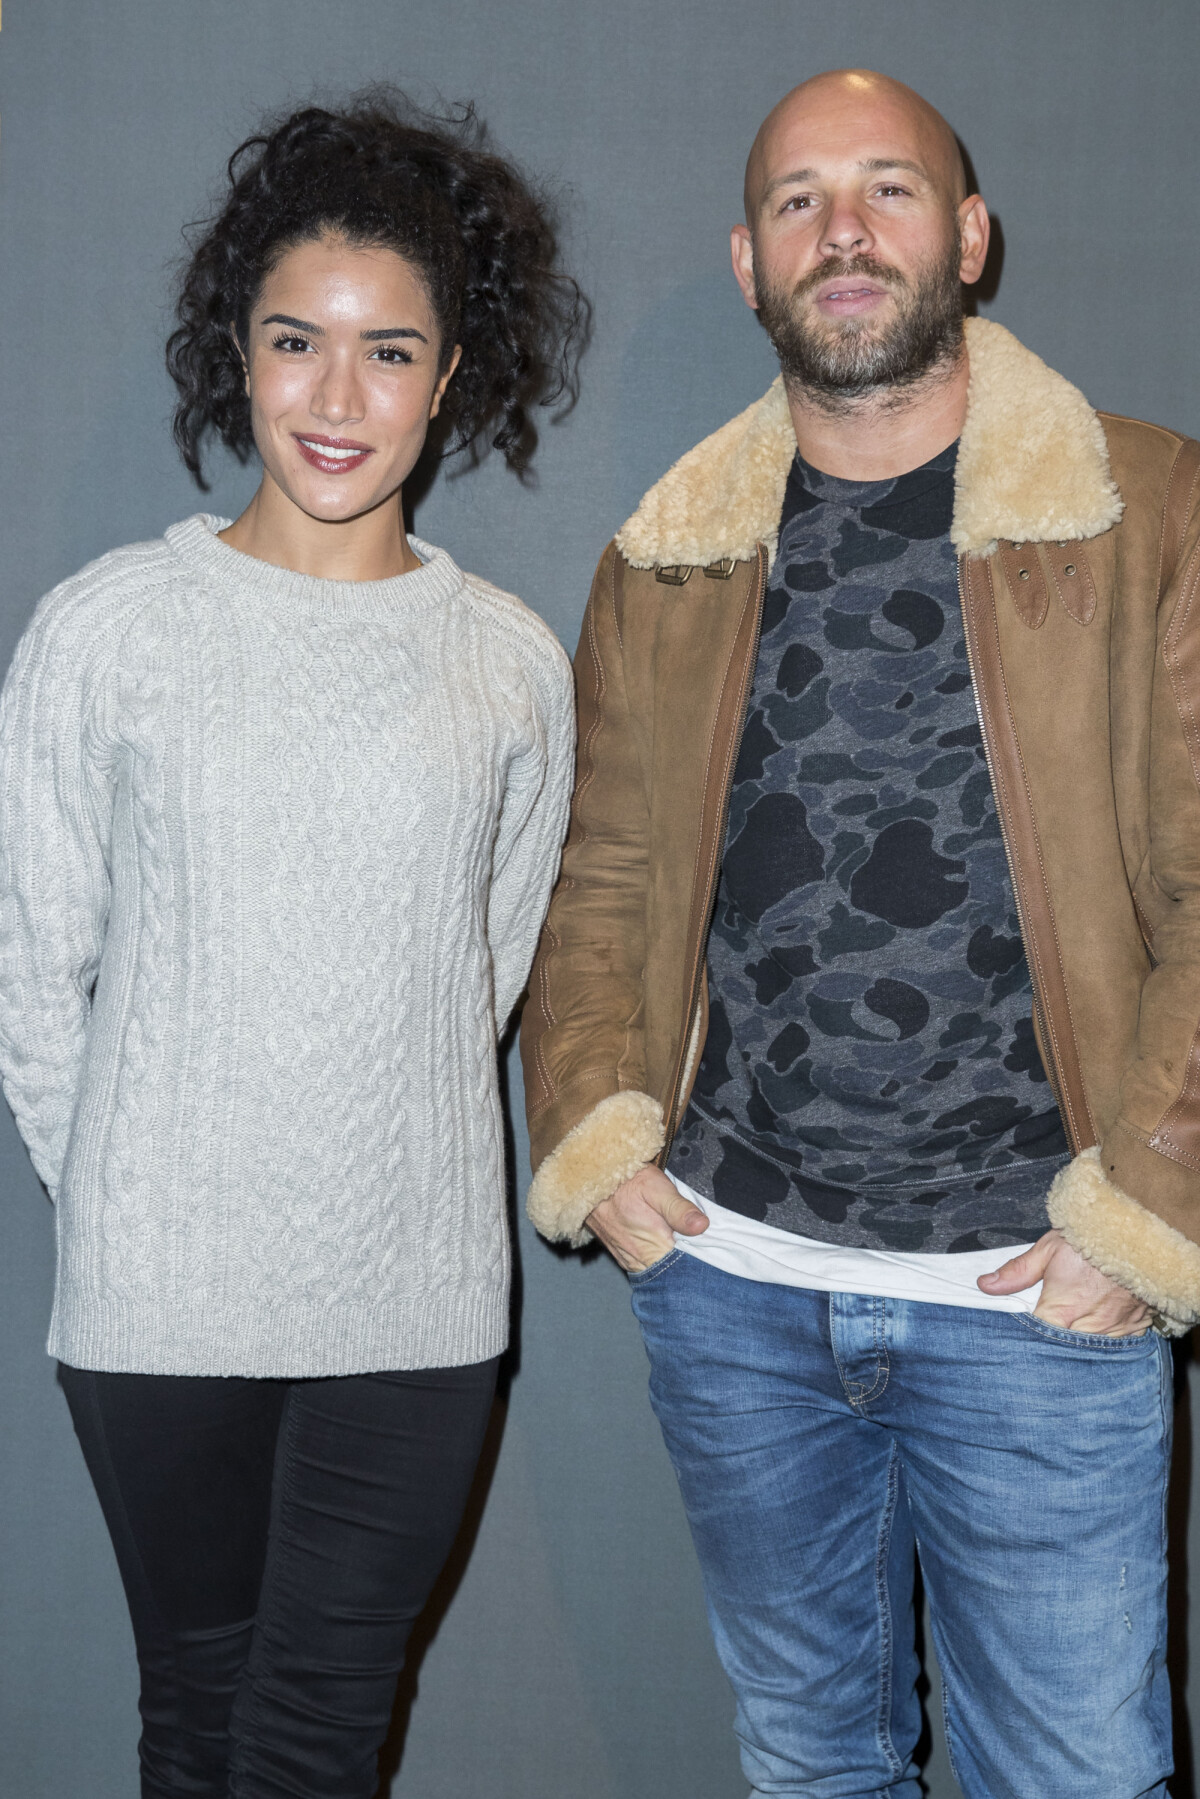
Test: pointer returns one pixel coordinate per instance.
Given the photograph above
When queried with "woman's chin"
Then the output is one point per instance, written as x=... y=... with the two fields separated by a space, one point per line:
x=329 y=503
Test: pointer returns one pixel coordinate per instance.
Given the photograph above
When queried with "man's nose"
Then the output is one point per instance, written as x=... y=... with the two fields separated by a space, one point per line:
x=847 y=231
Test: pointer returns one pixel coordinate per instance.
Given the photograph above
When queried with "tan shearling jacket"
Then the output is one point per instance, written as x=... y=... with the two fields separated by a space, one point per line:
x=1079 y=543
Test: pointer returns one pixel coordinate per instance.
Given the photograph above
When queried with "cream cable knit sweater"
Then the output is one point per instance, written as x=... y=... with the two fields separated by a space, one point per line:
x=274 y=855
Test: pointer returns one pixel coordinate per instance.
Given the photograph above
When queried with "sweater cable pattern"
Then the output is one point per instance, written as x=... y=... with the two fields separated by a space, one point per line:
x=274 y=856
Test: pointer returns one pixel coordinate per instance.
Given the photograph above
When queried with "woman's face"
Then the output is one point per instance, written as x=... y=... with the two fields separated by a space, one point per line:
x=342 y=369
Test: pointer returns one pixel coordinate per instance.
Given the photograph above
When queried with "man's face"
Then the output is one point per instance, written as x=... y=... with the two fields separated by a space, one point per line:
x=855 y=253
x=830 y=347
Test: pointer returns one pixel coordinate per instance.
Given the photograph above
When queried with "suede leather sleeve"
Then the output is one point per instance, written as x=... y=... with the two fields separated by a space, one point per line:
x=581 y=1038
x=1159 y=1108
x=1133 y=1207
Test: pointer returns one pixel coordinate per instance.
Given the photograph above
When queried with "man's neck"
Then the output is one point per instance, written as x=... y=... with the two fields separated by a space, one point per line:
x=885 y=433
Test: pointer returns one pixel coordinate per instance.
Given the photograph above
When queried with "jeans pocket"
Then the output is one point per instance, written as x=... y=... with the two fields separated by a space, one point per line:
x=638 y=1277
x=1097 y=1340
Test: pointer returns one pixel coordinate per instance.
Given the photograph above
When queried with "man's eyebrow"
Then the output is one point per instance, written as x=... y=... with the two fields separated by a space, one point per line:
x=370 y=337
x=874 y=165
x=786 y=180
x=878 y=164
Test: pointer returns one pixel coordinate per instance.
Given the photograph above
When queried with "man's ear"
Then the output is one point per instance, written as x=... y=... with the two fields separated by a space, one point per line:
x=975 y=228
x=741 y=247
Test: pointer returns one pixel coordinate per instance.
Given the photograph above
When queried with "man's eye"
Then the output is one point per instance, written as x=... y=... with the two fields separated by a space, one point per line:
x=797 y=203
x=892 y=188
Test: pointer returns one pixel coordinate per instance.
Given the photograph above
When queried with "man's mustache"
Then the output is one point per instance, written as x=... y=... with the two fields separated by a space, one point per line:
x=845 y=268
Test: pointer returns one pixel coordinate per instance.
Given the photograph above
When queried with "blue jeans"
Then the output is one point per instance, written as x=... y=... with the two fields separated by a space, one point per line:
x=823 y=1440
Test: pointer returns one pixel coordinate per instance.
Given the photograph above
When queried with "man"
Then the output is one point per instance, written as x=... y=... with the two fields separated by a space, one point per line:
x=865 y=1027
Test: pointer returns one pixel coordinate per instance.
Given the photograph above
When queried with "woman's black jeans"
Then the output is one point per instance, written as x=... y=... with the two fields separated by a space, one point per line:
x=276 y=1539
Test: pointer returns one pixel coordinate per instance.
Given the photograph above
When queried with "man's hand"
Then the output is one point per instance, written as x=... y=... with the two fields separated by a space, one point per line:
x=637 y=1223
x=1074 y=1295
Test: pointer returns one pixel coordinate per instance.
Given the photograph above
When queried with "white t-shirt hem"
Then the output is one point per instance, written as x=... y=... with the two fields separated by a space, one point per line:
x=762 y=1252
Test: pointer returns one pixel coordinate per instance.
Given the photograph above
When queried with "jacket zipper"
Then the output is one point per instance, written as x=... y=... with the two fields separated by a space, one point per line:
x=689 y=1017
x=1044 y=1039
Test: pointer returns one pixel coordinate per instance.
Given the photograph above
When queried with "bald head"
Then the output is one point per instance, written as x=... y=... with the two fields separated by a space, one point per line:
x=844 y=108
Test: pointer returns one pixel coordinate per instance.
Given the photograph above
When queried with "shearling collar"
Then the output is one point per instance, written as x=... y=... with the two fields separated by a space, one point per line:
x=1032 y=467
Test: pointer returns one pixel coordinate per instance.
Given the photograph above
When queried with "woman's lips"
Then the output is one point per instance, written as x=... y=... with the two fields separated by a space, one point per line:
x=332 y=455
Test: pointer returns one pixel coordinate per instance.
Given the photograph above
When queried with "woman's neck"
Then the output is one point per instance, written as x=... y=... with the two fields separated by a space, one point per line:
x=274 y=529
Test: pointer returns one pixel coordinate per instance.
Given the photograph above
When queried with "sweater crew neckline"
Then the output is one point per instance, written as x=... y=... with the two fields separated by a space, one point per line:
x=196 y=543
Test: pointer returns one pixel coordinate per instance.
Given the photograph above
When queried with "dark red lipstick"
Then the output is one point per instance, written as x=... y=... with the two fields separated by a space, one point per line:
x=332 y=455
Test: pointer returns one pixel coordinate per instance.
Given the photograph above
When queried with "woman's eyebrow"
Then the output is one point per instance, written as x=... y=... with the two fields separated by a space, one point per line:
x=282 y=318
x=370 y=337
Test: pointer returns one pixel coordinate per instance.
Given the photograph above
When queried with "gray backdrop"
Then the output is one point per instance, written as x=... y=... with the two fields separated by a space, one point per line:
x=567 y=1653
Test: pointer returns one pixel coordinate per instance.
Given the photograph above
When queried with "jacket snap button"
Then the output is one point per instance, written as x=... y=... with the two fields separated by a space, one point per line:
x=1070 y=569
x=1024 y=573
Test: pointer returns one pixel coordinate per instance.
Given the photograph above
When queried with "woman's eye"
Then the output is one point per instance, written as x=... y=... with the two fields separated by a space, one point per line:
x=391 y=353
x=288 y=341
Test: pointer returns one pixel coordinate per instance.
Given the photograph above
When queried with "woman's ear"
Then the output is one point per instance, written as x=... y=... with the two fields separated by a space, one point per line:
x=444 y=382
x=245 y=365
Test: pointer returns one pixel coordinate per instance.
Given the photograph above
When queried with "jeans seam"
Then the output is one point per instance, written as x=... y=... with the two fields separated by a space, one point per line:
x=1166 y=1404
x=837 y=1360
x=878 y=1315
x=946 y=1731
x=641 y=1277
x=1059 y=1333
x=879 y=1323
x=883 y=1366
x=1166 y=1408
x=886 y=1631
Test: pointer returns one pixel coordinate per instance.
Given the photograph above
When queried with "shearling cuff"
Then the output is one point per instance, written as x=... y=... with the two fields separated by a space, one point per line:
x=617 y=1137
x=1128 y=1243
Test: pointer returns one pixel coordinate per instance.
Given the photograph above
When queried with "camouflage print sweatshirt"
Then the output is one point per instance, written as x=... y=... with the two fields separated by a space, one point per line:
x=870 y=1076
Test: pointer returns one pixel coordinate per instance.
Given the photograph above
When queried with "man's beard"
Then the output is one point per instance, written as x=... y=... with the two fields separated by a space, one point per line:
x=837 y=362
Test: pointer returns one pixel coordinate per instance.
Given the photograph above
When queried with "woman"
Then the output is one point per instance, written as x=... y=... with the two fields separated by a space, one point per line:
x=282 y=803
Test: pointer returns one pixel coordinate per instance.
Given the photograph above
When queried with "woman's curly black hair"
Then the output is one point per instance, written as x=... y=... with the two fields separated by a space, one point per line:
x=380 y=172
